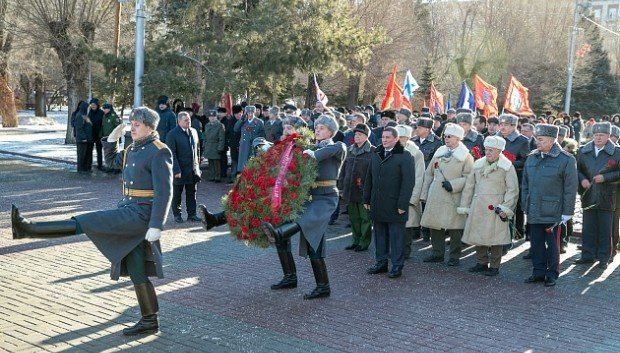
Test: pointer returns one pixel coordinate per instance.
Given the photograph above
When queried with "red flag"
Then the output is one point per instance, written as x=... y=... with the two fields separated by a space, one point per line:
x=394 y=95
x=227 y=103
x=516 y=100
x=485 y=96
x=435 y=99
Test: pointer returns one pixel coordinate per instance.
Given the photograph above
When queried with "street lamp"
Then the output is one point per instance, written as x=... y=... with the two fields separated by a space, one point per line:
x=571 y=53
x=139 y=58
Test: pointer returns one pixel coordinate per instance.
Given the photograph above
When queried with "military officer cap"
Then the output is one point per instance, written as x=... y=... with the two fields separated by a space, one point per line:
x=464 y=118
x=274 y=110
x=508 y=119
x=250 y=109
x=562 y=131
x=261 y=143
x=404 y=130
x=604 y=127
x=462 y=110
x=212 y=112
x=406 y=112
x=107 y=105
x=146 y=116
x=388 y=114
x=327 y=121
x=495 y=142
x=615 y=131
x=425 y=122
x=362 y=128
x=546 y=130
x=294 y=121
x=289 y=107
x=454 y=130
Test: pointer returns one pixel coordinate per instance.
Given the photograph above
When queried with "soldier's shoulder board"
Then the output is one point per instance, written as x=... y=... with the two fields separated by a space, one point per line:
x=159 y=144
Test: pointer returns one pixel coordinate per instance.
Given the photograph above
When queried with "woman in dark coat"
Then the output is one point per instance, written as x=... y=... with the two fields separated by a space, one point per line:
x=129 y=235
x=83 y=138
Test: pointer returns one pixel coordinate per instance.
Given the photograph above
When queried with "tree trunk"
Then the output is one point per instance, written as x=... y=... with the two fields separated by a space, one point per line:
x=72 y=102
x=7 y=103
x=39 y=97
x=353 y=91
x=310 y=95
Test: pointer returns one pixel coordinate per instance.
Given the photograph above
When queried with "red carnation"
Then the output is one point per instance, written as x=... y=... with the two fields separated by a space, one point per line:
x=475 y=152
x=491 y=208
x=276 y=220
x=511 y=157
x=611 y=163
x=244 y=229
x=255 y=222
x=436 y=165
x=293 y=195
x=232 y=222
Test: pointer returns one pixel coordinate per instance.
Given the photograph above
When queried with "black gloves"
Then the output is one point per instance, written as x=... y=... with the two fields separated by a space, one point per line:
x=446 y=185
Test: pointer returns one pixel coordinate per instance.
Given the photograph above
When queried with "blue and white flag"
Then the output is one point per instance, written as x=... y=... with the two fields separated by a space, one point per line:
x=466 y=98
x=409 y=86
x=449 y=102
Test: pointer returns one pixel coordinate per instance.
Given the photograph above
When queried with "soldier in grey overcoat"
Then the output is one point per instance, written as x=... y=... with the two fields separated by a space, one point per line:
x=215 y=145
x=548 y=191
x=129 y=235
x=314 y=220
x=250 y=128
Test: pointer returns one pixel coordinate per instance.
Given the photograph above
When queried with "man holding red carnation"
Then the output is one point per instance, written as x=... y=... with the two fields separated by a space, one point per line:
x=597 y=163
x=472 y=139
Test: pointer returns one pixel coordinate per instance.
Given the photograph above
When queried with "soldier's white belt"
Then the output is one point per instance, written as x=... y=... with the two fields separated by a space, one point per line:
x=138 y=193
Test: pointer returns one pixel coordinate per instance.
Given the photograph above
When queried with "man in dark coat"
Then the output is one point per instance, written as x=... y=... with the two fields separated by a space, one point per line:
x=472 y=139
x=95 y=114
x=183 y=143
x=597 y=164
x=517 y=150
x=84 y=139
x=229 y=124
x=577 y=125
x=548 y=191
x=233 y=138
x=129 y=235
x=273 y=125
x=167 y=118
x=387 y=190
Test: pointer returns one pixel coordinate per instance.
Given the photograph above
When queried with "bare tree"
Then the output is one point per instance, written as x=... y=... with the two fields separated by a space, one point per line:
x=7 y=98
x=68 y=26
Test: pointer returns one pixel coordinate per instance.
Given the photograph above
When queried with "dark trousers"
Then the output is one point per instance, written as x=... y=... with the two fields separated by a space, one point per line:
x=615 y=232
x=519 y=218
x=438 y=241
x=426 y=233
x=390 y=242
x=135 y=264
x=190 y=199
x=361 y=226
x=223 y=164
x=214 y=170
x=545 y=250
x=336 y=212
x=99 y=148
x=596 y=235
x=84 y=156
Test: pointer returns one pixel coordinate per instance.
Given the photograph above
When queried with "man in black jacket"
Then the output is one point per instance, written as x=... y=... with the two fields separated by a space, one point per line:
x=183 y=143
x=95 y=114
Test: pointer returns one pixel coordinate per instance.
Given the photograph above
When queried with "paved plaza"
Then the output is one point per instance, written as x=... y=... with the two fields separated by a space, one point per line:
x=56 y=295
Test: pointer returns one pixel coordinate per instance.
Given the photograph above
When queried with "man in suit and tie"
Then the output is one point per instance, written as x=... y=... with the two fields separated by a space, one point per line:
x=183 y=143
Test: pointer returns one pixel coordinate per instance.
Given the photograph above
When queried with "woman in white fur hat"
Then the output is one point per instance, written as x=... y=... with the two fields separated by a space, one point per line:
x=444 y=181
x=489 y=198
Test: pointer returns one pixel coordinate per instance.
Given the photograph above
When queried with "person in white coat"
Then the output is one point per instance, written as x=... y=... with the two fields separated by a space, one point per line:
x=489 y=198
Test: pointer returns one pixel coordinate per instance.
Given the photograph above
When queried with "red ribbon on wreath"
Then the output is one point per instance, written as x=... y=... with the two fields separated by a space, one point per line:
x=285 y=161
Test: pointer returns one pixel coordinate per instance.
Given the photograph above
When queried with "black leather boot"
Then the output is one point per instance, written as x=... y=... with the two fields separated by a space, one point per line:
x=282 y=233
x=24 y=228
x=322 y=282
x=288 y=267
x=147 y=299
x=210 y=220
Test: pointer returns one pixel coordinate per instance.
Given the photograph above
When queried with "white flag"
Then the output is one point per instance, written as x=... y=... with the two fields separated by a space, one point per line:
x=320 y=96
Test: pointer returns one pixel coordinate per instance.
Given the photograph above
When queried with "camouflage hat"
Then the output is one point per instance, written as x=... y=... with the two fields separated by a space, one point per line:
x=603 y=127
x=508 y=119
x=546 y=130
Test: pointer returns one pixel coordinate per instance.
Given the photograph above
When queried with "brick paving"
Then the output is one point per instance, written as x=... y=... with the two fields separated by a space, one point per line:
x=56 y=295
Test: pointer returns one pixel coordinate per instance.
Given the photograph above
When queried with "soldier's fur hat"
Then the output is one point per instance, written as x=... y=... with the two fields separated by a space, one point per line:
x=145 y=115
x=615 y=131
x=454 y=130
x=329 y=122
x=363 y=128
x=406 y=112
x=389 y=114
x=294 y=121
x=495 y=142
x=274 y=110
x=250 y=108
x=603 y=127
x=546 y=130
x=508 y=119
x=425 y=122
x=465 y=118
x=562 y=131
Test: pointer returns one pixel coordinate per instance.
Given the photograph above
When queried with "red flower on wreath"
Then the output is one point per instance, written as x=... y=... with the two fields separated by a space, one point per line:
x=511 y=157
x=475 y=152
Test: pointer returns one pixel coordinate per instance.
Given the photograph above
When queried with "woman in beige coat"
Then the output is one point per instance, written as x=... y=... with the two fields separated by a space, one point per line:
x=489 y=197
x=412 y=230
x=444 y=180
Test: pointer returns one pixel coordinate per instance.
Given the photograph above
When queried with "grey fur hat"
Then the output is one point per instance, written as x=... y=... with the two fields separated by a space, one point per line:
x=250 y=108
x=546 y=130
x=294 y=121
x=615 y=131
x=562 y=131
x=425 y=122
x=508 y=119
x=603 y=127
x=406 y=112
x=329 y=123
x=145 y=115
x=465 y=118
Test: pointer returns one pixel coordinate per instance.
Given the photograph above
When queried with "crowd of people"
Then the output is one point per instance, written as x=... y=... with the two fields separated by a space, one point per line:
x=399 y=174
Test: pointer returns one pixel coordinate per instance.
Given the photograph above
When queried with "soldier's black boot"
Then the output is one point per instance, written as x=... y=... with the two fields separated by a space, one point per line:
x=282 y=233
x=147 y=299
x=24 y=228
x=210 y=220
x=288 y=267
x=322 y=282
